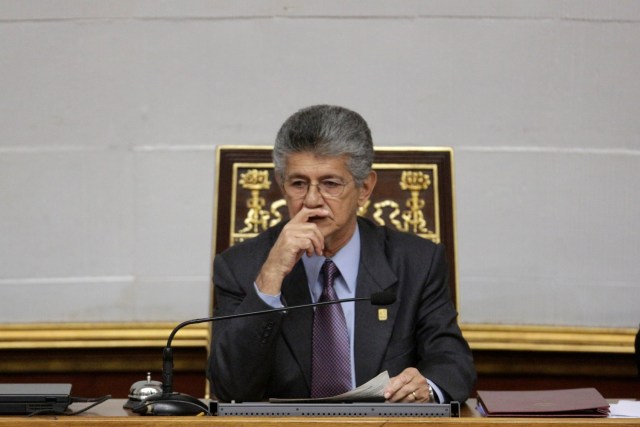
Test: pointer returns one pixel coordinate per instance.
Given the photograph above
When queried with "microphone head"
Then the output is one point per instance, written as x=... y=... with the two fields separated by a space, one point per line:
x=383 y=298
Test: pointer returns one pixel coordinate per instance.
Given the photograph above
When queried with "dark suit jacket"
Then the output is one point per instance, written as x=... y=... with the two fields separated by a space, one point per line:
x=259 y=357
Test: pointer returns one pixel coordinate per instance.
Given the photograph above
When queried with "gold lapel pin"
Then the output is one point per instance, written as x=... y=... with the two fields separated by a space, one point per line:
x=382 y=314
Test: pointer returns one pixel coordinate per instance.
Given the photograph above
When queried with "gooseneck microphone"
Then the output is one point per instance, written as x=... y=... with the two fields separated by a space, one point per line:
x=173 y=403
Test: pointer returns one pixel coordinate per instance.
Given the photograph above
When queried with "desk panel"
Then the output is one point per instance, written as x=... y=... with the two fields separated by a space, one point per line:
x=111 y=413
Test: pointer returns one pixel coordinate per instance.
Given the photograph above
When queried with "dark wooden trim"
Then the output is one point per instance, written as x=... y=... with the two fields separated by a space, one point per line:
x=613 y=374
x=100 y=371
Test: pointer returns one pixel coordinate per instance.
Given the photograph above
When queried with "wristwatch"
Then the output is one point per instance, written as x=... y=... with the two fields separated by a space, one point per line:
x=432 y=397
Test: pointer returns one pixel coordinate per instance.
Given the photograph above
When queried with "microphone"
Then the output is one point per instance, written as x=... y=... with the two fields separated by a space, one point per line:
x=169 y=402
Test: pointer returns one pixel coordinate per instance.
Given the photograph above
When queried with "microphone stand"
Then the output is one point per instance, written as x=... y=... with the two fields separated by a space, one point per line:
x=173 y=403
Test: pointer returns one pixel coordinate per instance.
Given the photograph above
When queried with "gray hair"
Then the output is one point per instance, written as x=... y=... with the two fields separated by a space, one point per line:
x=326 y=131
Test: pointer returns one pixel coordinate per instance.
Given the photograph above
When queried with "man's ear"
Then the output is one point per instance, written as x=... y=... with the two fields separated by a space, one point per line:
x=367 y=188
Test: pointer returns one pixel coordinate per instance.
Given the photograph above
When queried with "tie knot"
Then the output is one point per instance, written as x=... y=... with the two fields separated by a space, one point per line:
x=330 y=271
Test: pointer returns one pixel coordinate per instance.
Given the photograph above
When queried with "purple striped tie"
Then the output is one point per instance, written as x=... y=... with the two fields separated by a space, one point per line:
x=331 y=365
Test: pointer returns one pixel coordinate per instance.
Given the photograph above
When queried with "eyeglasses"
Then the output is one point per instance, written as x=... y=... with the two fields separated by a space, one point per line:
x=298 y=188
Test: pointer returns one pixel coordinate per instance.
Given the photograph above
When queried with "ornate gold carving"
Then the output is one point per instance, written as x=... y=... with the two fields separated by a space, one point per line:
x=257 y=218
x=414 y=181
x=275 y=211
x=362 y=210
x=413 y=219
x=379 y=211
x=263 y=210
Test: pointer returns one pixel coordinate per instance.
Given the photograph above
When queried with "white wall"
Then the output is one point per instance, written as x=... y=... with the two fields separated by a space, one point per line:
x=110 y=113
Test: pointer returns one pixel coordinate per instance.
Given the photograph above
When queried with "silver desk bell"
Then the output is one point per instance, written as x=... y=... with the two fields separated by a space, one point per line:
x=141 y=390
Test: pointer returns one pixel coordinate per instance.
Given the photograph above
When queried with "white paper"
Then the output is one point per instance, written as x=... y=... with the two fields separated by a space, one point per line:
x=371 y=391
x=625 y=408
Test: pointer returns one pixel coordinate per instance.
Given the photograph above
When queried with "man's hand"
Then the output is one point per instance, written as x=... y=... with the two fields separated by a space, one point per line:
x=298 y=237
x=409 y=386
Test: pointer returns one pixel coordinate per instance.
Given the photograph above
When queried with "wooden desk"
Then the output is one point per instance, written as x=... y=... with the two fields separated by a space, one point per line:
x=111 y=413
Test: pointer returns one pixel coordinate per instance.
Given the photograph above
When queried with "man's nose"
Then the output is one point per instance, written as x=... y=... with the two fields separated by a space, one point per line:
x=313 y=198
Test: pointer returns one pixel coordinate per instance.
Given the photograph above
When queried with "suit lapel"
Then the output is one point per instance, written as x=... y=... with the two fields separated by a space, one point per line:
x=372 y=330
x=297 y=327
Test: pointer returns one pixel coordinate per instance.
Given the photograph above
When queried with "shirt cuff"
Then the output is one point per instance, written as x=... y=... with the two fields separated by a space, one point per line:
x=438 y=393
x=274 y=301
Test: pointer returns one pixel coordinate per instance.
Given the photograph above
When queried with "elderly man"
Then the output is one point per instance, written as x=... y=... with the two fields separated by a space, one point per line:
x=323 y=156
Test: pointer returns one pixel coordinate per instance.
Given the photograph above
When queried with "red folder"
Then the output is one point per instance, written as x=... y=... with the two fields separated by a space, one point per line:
x=577 y=402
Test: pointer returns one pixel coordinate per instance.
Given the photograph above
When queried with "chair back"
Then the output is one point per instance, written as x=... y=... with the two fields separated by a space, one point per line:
x=414 y=193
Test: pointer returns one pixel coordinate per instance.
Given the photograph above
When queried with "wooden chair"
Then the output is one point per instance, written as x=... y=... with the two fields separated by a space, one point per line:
x=414 y=193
